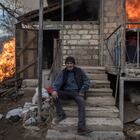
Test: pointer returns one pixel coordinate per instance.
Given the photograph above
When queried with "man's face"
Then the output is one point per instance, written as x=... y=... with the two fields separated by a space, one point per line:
x=70 y=65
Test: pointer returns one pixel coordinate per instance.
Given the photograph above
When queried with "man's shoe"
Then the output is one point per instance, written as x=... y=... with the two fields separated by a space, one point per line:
x=59 y=118
x=84 y=131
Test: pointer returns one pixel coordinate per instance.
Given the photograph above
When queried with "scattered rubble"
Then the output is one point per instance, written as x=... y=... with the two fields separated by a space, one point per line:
x=1 y=116
x=137 y=122
x=131 y=72
x=14 y=114
x=29 y=112
x=9 y=87
x=44 y=95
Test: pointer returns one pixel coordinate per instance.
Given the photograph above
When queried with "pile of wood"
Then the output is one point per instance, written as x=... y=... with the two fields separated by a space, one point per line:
x=9 y=87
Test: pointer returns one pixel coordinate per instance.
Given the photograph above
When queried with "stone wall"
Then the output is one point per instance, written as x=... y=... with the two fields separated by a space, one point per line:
x=81 y=40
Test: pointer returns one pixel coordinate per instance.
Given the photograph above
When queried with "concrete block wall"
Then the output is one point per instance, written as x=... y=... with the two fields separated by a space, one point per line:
x=81 y=40
x=112 y=16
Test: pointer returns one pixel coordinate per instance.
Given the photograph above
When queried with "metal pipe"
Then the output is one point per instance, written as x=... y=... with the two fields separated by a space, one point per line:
x=132 y=22
x=121 y=100
x=102 y=32
x=114 y=32
x=40 y=47
x=62 y=12
x=138 y=48
x=62 y=27
x=123 y=50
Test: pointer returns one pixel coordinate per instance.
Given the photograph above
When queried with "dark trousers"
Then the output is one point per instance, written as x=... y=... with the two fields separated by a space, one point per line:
x=66 y=95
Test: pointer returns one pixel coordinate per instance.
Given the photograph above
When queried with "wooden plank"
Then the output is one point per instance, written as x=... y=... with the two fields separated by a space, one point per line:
x=31 y=37
x=25 y=54
x=21 y=56
x=26 y=67
x=35 y=43
x=26 y=46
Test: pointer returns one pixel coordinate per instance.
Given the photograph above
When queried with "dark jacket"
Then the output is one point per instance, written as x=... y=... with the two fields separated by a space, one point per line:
x=75 y=80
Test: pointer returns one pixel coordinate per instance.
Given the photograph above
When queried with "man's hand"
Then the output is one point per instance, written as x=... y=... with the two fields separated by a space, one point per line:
x=82 y=94
x=54 y=94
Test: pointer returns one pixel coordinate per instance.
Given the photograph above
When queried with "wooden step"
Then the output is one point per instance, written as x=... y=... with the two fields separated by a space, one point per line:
x=94 y=101
x=100 y=83
x=97 y=76
x=99 y=92
x=95 y=135
x=96 y=124
x=106 y=111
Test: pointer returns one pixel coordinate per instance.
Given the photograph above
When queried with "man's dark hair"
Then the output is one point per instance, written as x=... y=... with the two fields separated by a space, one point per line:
x=70 y=59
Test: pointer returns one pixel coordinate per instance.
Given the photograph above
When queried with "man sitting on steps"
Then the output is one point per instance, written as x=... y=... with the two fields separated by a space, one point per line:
x=71 y=83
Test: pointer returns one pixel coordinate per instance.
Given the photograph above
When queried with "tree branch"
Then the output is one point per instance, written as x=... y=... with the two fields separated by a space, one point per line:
x=9 y=12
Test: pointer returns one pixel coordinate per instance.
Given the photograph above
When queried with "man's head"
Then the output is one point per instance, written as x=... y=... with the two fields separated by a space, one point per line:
x=70 y=63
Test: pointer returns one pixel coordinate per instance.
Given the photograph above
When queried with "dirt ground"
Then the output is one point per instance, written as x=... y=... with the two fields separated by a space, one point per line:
x=14 y=130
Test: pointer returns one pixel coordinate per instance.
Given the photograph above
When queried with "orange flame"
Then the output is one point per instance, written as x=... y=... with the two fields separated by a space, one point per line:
x=7 y=60
x=133 y=12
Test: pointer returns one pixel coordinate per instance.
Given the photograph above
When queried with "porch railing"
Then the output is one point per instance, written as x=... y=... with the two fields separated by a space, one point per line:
x=133 y=45
x=112 y=49
x=114 y=46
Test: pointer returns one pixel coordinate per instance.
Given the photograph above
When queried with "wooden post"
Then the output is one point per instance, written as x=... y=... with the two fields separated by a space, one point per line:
x=40 y=47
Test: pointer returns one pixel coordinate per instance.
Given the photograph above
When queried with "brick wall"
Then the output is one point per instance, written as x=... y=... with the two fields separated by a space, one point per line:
x=81 y=40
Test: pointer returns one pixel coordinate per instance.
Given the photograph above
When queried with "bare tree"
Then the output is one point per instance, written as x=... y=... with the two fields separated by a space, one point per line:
x=11 y=10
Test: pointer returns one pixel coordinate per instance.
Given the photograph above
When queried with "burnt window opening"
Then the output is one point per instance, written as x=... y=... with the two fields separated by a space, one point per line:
x=48 y=47
x=131 y=46
x=75 y=10
x=86 y=10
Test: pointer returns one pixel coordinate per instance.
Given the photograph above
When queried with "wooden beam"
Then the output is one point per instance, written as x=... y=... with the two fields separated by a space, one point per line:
x=26 y=67
x=26 y=46
x=51 y=8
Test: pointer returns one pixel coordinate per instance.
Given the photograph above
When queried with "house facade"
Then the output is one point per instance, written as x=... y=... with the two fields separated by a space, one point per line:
x=79 y=34
x=95 y=32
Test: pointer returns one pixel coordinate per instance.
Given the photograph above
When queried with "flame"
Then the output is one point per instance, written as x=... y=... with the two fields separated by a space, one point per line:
x=133 y=12
x=7 y=60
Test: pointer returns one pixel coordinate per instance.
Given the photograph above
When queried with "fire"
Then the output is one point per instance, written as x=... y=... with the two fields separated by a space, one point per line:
x=7 y=60
x=133 y=12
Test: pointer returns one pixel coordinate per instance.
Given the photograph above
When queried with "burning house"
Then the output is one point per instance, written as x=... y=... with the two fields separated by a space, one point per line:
x=7 y=57
x=100 y=34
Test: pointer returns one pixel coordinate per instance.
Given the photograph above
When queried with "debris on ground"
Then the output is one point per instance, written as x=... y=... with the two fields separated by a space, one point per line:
x=9 y=87
x=14 y=114
x=1 y=116
x=25 y=125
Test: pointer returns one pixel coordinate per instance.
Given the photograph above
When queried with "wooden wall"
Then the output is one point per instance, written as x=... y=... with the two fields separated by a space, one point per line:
x=26 y=53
